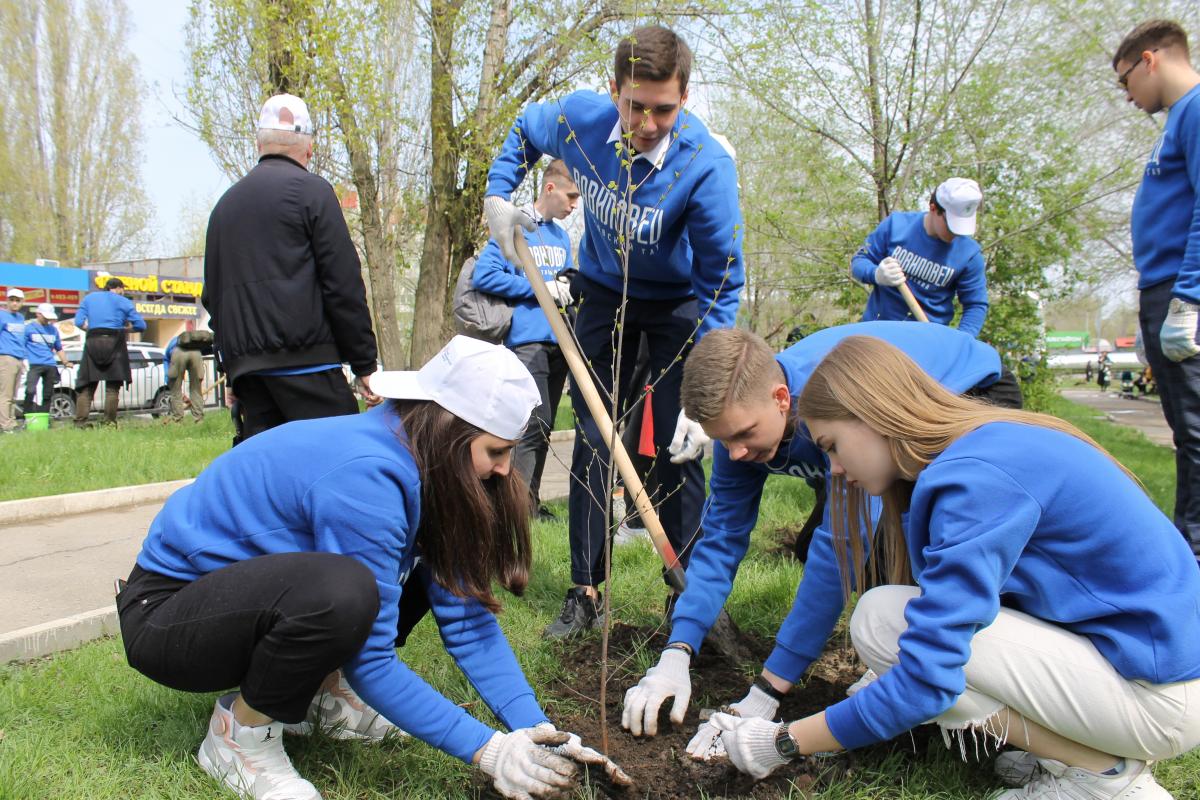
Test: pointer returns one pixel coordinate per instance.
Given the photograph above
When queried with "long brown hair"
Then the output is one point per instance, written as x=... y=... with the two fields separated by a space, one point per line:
x=471 y=532
x=869 y=380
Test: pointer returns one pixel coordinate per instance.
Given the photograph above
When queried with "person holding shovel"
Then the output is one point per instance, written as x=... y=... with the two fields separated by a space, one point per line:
x=932 y=255
x=299 y=561
x=1056 y=615
x=661 y=255
x=743 y=393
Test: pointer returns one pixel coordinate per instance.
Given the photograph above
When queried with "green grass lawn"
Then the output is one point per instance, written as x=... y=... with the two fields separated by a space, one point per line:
x=84 y=725
x=64 y=459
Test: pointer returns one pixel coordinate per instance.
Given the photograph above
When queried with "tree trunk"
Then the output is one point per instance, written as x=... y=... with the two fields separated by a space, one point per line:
x=879 y=140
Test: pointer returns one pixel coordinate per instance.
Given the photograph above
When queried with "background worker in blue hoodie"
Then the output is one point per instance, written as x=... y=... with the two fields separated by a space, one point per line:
x=1055 y=614
x=12 y=354
x=744 y=394
x=293 y=570
x=662 y=226
x=43 y=346
x=1153 y=68
x=106 y=316
x=530 y=336
x=933 y=252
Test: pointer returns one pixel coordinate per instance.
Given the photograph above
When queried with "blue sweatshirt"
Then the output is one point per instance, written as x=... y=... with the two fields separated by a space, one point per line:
x=41 y=343
x=684 y=225
x=12 y=333
x=1041 y=522
x=936 y=272
x=550 y=245
x=1166 y=214
x=955 y=359
x=107 y=309
x=286 y=491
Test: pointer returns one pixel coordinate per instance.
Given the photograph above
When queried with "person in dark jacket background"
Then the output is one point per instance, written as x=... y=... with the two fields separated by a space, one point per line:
x=283 y=284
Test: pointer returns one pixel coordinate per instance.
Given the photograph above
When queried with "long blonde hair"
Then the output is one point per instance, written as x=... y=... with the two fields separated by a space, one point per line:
x=867 y=379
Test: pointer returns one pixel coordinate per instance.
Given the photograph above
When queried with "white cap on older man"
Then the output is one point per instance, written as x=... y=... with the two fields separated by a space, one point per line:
x=484 y=384
x=15 y=292
x=961 y=198
x=47 y=311
x=285 y=112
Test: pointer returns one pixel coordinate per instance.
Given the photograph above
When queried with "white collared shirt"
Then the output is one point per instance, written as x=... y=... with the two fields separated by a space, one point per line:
x=656 y=156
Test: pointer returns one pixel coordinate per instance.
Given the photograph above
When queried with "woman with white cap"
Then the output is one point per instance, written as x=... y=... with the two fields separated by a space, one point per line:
x=298 y=562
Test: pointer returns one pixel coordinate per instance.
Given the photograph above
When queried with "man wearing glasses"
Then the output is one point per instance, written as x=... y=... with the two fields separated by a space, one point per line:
x=1154 y=71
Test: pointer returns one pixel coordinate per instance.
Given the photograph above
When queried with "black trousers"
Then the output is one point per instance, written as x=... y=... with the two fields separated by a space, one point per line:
x=275 y=626
x=48 y=375
x=266 y=401
x=669 y=326
x=1179 y=389
x=548 y=367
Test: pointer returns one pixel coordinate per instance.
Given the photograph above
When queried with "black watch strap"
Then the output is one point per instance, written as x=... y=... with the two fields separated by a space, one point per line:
x=767 y=688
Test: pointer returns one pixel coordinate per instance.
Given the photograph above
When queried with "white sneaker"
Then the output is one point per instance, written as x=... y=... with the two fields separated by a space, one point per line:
x=866 y=680
x=1016 y=767
x=1057 y=781
x=342 y=714
x=251 y=761
x=628 y=535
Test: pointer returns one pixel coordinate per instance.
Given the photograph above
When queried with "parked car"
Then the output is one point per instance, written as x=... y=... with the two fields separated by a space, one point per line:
x=146 y=391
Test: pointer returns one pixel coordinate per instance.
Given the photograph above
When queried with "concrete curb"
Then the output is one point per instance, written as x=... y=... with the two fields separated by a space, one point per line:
x=58 y=635
x=14 y=512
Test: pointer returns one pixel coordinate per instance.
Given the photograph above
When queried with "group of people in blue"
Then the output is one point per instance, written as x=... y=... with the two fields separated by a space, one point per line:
x=1010 y=581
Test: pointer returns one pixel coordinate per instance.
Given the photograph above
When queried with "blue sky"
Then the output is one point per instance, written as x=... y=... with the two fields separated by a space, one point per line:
x=178 y=174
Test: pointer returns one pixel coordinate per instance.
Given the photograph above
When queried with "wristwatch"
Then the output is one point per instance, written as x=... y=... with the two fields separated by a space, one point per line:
x=785 y=745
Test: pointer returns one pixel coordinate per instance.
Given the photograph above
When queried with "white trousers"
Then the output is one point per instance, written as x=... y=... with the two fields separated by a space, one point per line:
x=1047 y=674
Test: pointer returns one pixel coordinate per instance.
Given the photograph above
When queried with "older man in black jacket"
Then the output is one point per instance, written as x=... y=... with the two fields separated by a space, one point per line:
x=283 y=284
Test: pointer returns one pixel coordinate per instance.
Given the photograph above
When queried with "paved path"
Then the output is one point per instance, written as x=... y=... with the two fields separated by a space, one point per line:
x=56 y=568
x=1144 y=414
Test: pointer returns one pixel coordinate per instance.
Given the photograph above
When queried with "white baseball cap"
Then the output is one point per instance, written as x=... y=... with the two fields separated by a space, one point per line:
x=484 y=384
x=285 y=112
x=15 y=292
x=47 y=311
x=961 y=198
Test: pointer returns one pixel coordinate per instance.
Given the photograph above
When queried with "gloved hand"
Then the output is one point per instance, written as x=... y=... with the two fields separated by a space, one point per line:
x=706 y=744
x=669 y=678
x=689 y=440
x=889 y=273
x=502 y=219
x=750 y=742
x=574 y=750
x=1178 y=334
x=521 y=767
x=561 y=292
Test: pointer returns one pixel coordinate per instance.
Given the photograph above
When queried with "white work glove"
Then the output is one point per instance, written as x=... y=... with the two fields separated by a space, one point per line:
x=689 y=440
x=889 y=273
x=1139 y=349
x=575 y=750
x=502 y=219
x=669 y=678
x=560 y=291
x=750 y=742
x=522 y=767
x=706 y=744
x=1178 y=335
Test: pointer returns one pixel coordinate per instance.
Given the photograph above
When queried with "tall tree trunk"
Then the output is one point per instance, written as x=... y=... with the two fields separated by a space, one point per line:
x=878 y=136
x=429 y=313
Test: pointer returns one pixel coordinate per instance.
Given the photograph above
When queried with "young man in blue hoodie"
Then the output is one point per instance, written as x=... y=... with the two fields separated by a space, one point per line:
x=530 y=337
x=43 y=345
x=661 y=255
x=1154 y=71
x=106 y=316
x=743 y=395
x=12 y=353
x=933 y=253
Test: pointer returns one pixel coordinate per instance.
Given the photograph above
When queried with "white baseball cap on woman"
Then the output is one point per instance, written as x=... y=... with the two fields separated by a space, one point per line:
x=484 y=384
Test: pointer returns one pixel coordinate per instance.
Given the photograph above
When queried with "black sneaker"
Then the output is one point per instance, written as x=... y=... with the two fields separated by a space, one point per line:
x=579 y=613
x=544 y=514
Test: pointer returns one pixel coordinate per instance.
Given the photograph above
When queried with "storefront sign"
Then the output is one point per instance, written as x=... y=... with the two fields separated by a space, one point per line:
x=152 y=284
x=167 y=310
x=57 y=297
